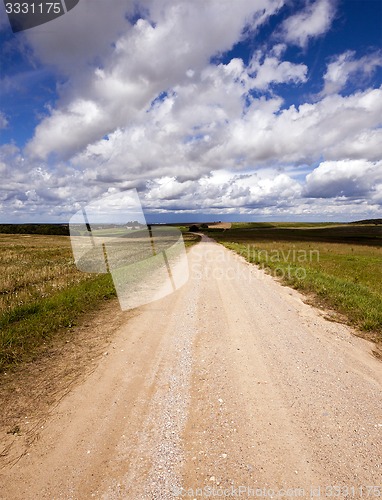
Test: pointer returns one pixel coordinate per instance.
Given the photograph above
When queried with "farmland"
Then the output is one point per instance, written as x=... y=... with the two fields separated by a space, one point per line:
x=42 y=292
x=338 y=266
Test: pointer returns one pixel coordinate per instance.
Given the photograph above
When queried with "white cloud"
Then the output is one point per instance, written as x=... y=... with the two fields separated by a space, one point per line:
x=83 y=36
x=202 y=129
x=313 y=21
x=154 y=55
x=273 y=71
x=339 y=190
x=302 y=135
x=223 y=191
x=64 y=132
x=204 y=121
x=38 y=192
x=363 y=144
x=345 y=67
x=344 y=178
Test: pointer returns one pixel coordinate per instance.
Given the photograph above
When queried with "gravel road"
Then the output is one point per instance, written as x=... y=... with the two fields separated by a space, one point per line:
x=232 y=386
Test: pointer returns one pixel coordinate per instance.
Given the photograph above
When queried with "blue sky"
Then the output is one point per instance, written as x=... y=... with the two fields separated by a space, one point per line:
x=229 y=110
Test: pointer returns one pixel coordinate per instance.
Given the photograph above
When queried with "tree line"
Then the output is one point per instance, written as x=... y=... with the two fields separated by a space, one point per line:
x=45 y=229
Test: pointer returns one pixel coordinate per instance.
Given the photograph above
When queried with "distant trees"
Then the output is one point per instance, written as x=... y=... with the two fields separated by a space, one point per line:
x=46 y=229
x=195 y=228
x=376 y=222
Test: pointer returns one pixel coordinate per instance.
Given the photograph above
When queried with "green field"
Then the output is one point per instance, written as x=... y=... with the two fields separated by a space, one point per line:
x=339 y=265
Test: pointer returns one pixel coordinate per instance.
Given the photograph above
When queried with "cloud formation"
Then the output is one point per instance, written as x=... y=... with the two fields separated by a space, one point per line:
x=159 y=98
x=271 y=70
x=346 y=66
x=313 y=21
x=176 y=41
x=345 y=178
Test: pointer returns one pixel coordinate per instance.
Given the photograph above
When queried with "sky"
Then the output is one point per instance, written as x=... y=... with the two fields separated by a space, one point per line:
x=212 y=109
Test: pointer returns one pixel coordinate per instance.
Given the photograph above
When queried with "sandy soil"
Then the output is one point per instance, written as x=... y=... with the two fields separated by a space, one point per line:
x=232 y=386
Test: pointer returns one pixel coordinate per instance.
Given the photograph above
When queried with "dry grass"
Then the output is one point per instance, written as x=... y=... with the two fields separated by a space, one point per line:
x=34 y=267
x=41 y=292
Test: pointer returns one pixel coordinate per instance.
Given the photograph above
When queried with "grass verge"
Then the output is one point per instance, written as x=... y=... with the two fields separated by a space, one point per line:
x=42 y=293
x=25 y=328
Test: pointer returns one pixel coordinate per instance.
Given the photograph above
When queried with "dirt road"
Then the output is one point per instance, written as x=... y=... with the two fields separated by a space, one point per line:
x=232 y=385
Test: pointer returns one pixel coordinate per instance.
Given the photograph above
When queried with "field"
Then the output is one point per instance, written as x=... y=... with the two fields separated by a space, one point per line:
x=339 y=266
x=42 y=293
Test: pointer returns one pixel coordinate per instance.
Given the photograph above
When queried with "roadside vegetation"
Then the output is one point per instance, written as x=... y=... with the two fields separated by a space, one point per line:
x=340 y=266
x=41 y=292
